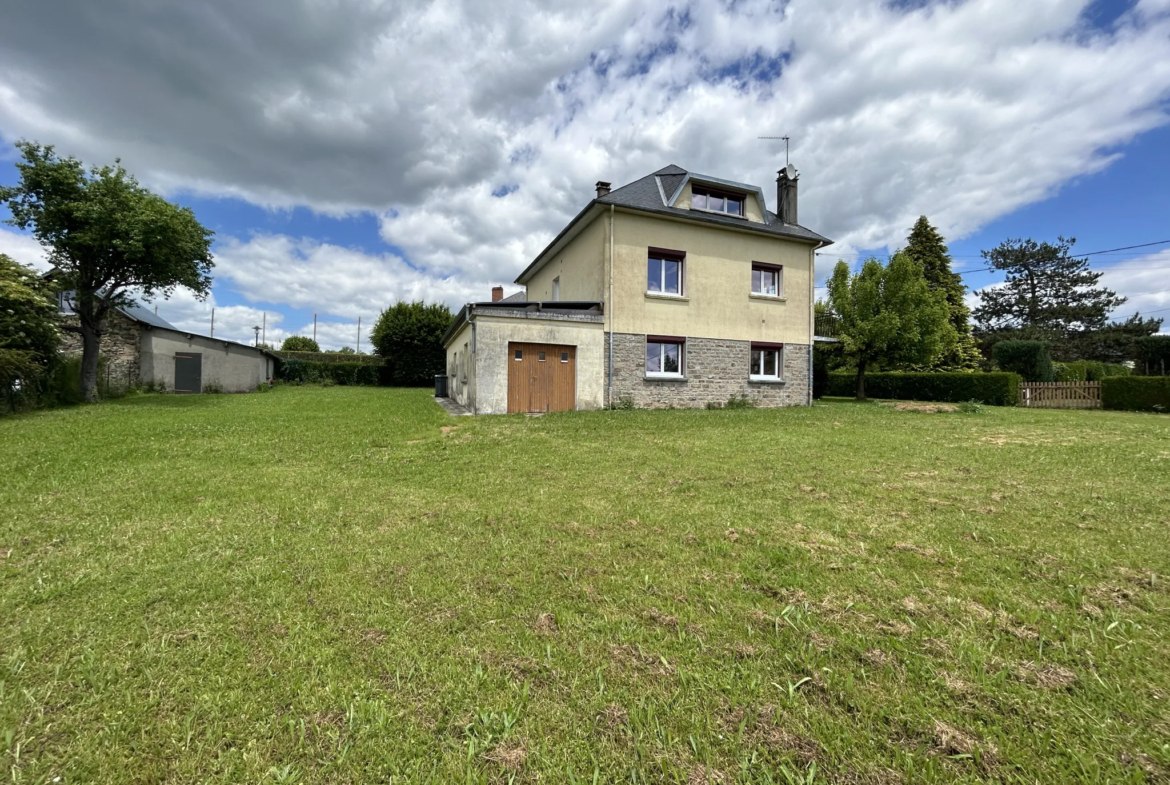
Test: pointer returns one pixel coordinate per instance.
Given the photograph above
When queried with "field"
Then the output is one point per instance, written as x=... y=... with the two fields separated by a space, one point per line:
x=348 y=585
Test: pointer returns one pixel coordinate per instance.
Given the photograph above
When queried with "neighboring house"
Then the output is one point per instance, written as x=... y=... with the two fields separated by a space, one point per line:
x=139 y=348
x=678 y=289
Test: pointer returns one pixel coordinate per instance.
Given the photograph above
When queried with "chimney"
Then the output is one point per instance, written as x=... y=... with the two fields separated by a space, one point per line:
x=497 y=293
x=602 y=188
x=786 y=194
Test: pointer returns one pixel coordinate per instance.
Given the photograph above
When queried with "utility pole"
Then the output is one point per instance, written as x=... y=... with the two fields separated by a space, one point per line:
x=264 y=328
x=359 y=341
x=314 y=328
x=212 y=322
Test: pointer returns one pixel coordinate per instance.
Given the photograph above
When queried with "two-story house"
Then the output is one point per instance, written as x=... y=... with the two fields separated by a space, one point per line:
x=678 y=289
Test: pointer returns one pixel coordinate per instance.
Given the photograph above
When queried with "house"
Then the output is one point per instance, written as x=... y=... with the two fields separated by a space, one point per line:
x=139 y=348
x=678 y=289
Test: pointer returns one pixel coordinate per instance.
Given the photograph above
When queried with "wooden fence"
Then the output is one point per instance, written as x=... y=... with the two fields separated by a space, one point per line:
x=1061 y=395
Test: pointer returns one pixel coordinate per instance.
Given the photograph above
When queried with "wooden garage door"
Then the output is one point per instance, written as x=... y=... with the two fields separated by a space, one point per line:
x=542 y=377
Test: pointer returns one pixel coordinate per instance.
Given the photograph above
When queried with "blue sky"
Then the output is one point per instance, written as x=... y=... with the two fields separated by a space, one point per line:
x=339 y=181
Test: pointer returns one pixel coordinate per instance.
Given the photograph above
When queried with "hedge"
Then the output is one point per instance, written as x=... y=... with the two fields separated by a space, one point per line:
x=1030 y=359
x=332 y=357
x=1136 y=393
x=353 y=374
x=997 y=389
x=1087 y=371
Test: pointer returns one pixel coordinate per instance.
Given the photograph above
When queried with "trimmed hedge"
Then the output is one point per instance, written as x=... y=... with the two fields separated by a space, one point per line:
x=997 y=389
x=350 y=374
x=1136 y=393
x=1030 y=359
x=332 y=357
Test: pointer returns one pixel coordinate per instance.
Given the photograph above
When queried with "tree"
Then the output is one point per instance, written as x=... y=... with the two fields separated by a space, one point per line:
x=299 y=343
x=107 y=236
x=889 y=314
x=28 y=326
x=926 y=247
x=410 y=337
x=1048 y=295
x=347 y=350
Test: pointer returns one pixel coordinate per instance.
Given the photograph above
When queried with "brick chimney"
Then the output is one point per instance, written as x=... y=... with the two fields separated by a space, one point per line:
x=786 y=194
x=497 y=293
x=602 y=188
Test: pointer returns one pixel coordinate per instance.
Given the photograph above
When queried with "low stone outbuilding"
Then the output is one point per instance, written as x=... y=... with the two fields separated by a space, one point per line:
x=141 y=349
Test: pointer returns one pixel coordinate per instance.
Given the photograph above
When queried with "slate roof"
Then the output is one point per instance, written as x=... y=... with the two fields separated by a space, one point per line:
x=653 y=194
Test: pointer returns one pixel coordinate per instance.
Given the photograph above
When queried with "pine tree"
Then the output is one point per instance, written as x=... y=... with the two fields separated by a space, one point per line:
x=1048 y=295
x=928 y=248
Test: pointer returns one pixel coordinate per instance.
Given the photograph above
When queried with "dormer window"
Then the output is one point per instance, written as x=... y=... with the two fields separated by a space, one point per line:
x=714 y=201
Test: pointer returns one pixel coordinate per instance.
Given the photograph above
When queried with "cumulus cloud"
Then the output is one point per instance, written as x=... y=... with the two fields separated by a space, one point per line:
x=23 y=249
x=475 y=131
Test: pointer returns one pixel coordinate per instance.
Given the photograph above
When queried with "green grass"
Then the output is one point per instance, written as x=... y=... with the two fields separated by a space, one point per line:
x=320 y=585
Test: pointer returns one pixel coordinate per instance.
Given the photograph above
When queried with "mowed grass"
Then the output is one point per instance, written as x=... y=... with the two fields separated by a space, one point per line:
x=348 y=585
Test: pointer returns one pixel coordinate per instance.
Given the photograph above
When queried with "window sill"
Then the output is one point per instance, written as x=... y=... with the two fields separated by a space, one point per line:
x=776 y=298
x=765 y=380
x=664 y=378
x=661 y=296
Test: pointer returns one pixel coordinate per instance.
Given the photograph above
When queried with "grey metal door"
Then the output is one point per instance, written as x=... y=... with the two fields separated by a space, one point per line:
x=188 y=372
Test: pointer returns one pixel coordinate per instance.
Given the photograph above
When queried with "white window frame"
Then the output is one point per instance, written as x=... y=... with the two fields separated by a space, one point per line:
x=777 y=270
x=662 y=259
x=716 y=193
x=682 y=359
x=764 y=377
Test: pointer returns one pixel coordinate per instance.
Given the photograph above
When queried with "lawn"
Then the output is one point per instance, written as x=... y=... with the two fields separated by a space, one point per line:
x=348 y=585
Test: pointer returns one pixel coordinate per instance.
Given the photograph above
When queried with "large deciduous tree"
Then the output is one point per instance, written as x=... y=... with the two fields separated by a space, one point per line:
x=299 y=343
x=28 y=327
x=410 y=337
x=927 y=247
x=108 y=238
x=889 y=315
x=1050 y=295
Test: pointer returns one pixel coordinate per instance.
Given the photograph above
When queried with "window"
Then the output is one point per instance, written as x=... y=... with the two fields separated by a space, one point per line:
x=540 y=356
x=716 y=201
x=519 y=355
x=664 y=272
x=767 y=279
x=556 y=289
x=664 y=356
x=767 y=362
x=564 y=357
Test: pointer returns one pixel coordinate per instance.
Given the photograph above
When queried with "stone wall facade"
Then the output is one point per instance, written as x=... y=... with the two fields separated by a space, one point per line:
x=121 y=349
x=715 y=370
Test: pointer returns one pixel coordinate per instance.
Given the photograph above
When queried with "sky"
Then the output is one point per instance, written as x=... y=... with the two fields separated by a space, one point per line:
x=349 y=155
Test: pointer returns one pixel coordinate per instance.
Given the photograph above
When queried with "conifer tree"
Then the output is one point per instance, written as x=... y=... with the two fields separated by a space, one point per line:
x=928 y=248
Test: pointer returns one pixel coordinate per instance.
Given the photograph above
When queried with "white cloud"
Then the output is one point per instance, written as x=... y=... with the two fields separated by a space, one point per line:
x=1146 y=282
x=960 y=110
x=23 y=249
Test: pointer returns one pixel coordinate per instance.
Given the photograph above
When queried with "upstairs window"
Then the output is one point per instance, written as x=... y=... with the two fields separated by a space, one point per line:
x=556 y=289
x=767 y=364
x=716 y=201
x=664 y=355
x=767 y=279
x=664 y=272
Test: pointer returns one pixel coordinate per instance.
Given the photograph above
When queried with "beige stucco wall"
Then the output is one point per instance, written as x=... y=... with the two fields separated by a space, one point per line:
x=487 y=392
x=233 y=367
x=580 y=266
x=717 y=301
x=461 y=368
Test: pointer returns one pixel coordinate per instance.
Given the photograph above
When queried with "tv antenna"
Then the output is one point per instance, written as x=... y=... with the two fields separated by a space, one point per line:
x=785 y=138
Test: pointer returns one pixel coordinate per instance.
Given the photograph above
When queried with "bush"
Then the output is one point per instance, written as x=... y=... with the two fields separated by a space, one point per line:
x=348 y=374
x=1136 y=393
x=1087 y=371
x=299 y=343
x=1030 y=359
x=1152 y=355
x=997 y=389
x=410 y=337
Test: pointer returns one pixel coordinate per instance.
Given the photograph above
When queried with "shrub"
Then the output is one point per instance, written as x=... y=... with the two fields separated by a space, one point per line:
x=1152 y=355
x=1030 y=359
x=997 y=389
x=1136 y=393
x=410 y=336
x=330 y=373
x=1087 y=371
x=299 y=343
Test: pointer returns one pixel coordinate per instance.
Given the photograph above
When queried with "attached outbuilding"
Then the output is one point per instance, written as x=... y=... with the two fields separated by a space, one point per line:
x=513 y=356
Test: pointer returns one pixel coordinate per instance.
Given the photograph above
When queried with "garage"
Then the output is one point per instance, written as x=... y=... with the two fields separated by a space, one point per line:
x=542 y=377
